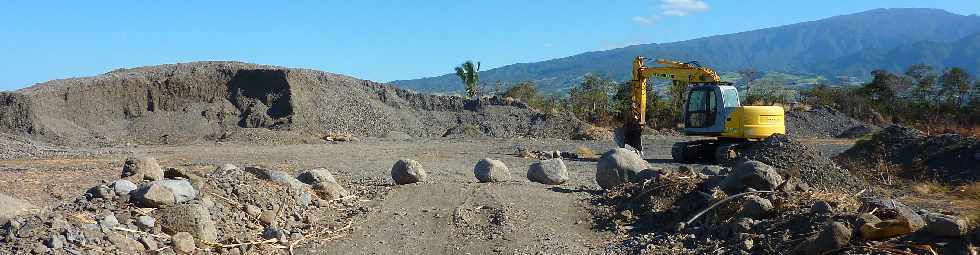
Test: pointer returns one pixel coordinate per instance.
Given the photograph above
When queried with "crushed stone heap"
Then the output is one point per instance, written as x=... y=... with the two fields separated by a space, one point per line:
x=190 y=102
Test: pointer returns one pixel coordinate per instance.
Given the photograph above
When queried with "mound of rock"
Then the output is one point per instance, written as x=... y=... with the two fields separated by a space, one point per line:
x=685 y=212
x=825 y=122
x=184 y=103
x=20 y=147
x=801 y=162
x=182 y=213
x=951 y=158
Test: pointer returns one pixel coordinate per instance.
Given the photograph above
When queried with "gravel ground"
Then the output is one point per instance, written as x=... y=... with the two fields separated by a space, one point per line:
x=449 y=214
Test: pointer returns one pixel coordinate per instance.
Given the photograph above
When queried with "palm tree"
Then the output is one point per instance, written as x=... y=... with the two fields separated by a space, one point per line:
x=470 y=75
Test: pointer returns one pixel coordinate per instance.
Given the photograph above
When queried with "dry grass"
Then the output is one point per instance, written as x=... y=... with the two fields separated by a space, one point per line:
x=844 y=202
x=963 y=200
x=585 y=152
x=929 y=188
x=969 y=198
x=938 y=128
x=970 y=191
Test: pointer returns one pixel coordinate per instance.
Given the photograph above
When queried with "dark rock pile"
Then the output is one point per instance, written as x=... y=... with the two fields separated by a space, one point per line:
x=801 y=162
x=747 y=212
x=825 y=122
x=950 y=158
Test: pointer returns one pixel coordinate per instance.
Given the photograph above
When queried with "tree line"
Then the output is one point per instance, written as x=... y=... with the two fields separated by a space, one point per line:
x=923 y=97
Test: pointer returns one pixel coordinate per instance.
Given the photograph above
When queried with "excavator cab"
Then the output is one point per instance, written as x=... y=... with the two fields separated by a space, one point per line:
x=707 y=108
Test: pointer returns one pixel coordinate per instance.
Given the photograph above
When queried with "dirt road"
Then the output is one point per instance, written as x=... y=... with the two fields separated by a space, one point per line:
x=450 y=214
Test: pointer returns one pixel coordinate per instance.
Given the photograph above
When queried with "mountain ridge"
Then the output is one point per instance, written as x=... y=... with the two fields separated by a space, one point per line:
x=803 y=47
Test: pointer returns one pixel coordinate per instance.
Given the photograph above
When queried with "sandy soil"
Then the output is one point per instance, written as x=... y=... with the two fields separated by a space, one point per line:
x=450 y=214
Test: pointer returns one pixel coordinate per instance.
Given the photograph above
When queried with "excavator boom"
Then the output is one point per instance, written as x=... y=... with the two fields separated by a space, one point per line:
x=680 y=73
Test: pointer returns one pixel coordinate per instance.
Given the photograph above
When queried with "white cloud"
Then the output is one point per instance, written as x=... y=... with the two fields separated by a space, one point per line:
x=682 y=7
x=673 y=8
x=646 y=20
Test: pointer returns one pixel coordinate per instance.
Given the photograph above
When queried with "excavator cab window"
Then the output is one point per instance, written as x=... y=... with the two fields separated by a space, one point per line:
x=702 y=106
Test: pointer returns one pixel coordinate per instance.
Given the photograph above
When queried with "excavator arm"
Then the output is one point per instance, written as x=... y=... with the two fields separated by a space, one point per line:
x=680 y=73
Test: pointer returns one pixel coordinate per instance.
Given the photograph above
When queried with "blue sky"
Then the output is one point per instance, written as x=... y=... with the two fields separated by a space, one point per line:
x=376 y=40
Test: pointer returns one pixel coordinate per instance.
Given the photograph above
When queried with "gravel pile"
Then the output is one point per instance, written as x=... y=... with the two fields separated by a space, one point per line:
x=16 y=147
x=804 y=163
x=825 y=122
x=187 y=212
x=688 y=212
x=947 y=157
x=191 y=102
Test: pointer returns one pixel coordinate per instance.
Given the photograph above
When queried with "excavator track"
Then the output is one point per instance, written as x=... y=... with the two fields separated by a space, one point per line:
x=708 y=150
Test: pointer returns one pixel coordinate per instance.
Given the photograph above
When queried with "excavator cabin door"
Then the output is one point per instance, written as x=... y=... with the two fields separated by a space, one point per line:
x=702 y=107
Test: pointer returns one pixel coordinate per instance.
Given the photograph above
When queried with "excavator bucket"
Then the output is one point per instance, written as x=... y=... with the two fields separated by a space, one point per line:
x=629 y=136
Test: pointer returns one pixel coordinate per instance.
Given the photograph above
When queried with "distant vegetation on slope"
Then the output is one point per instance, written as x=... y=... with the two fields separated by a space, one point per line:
x=851 y=45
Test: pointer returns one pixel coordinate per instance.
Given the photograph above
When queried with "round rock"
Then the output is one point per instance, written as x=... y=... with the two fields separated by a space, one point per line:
x=755 y=206
x=752 y=174
x=164 y=193
x=551 y=172
x=183 y=243
x=253 y=211
x=618 y=166
x=316 y=176
x=123 y=187
x=834 y=236
x=145 y=222
x=491 y=170
x=408 y=171
x=945 y=225
x=136 y=169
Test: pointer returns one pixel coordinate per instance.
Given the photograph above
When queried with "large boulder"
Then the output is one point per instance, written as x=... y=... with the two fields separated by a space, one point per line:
x=618 y=166
x=905 y=213
x=755 y=206
x=945 y=225
x=13 y=207
x=297 y=189
x=834 y=236
x=408 y=171
x=491 y=170
x=164 y=193
x=330 y=190
x=323 y=183
x=752 y=174
x=551 y=172
x=278 y=177
x=315 y=176
x=191 y=218
x=123 y=187
x=142 y=168
x=180 y=173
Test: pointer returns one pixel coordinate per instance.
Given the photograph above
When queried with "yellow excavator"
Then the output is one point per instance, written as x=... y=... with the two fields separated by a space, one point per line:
x=711 y=108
